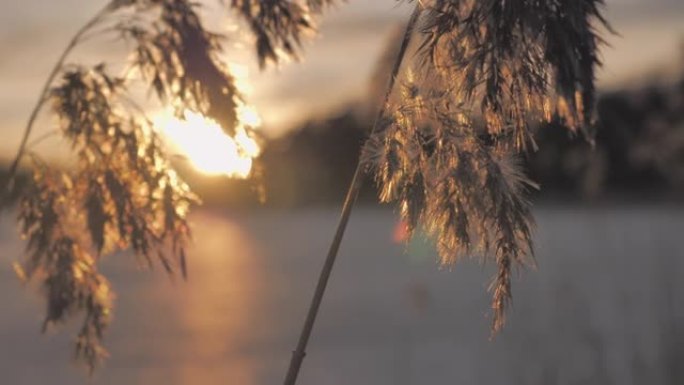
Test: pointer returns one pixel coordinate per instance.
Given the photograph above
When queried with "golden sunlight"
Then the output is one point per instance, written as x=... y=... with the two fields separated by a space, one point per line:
x=207 y=147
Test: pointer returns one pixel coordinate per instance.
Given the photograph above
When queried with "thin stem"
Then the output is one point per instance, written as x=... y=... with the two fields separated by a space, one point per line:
x=44 y=93
x=357 y=181
x=40 y=139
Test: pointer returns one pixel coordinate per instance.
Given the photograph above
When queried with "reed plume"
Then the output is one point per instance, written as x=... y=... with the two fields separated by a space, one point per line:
x=449 y=149
x=123 y=192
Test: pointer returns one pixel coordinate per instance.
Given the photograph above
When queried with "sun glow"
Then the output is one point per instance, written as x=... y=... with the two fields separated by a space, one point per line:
x=208 y=147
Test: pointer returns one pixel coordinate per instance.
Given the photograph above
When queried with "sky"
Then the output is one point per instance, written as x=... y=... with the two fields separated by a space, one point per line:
x=334 y=71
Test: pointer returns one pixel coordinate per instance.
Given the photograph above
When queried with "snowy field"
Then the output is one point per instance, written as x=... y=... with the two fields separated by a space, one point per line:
x=604 y=307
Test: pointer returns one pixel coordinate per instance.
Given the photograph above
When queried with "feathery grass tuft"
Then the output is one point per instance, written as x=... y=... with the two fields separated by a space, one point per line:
x=123 y=193
x=448 y=150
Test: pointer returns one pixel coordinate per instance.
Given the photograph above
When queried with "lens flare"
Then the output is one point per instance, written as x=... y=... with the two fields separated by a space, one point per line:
x=207 y=146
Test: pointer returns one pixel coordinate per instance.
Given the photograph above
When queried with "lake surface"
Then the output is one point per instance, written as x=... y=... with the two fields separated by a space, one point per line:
x=604 y=307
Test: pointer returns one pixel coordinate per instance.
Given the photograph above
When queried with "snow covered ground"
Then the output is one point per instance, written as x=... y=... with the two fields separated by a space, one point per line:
x=604 y=307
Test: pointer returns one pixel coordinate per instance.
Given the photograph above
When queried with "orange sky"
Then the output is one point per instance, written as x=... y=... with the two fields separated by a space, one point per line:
x=337 y=64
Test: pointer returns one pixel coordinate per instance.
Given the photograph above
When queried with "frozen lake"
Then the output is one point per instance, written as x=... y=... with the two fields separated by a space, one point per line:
x=604 y=307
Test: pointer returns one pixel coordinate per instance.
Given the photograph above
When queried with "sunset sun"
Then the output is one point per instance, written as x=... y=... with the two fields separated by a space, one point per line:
x=208 y=148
